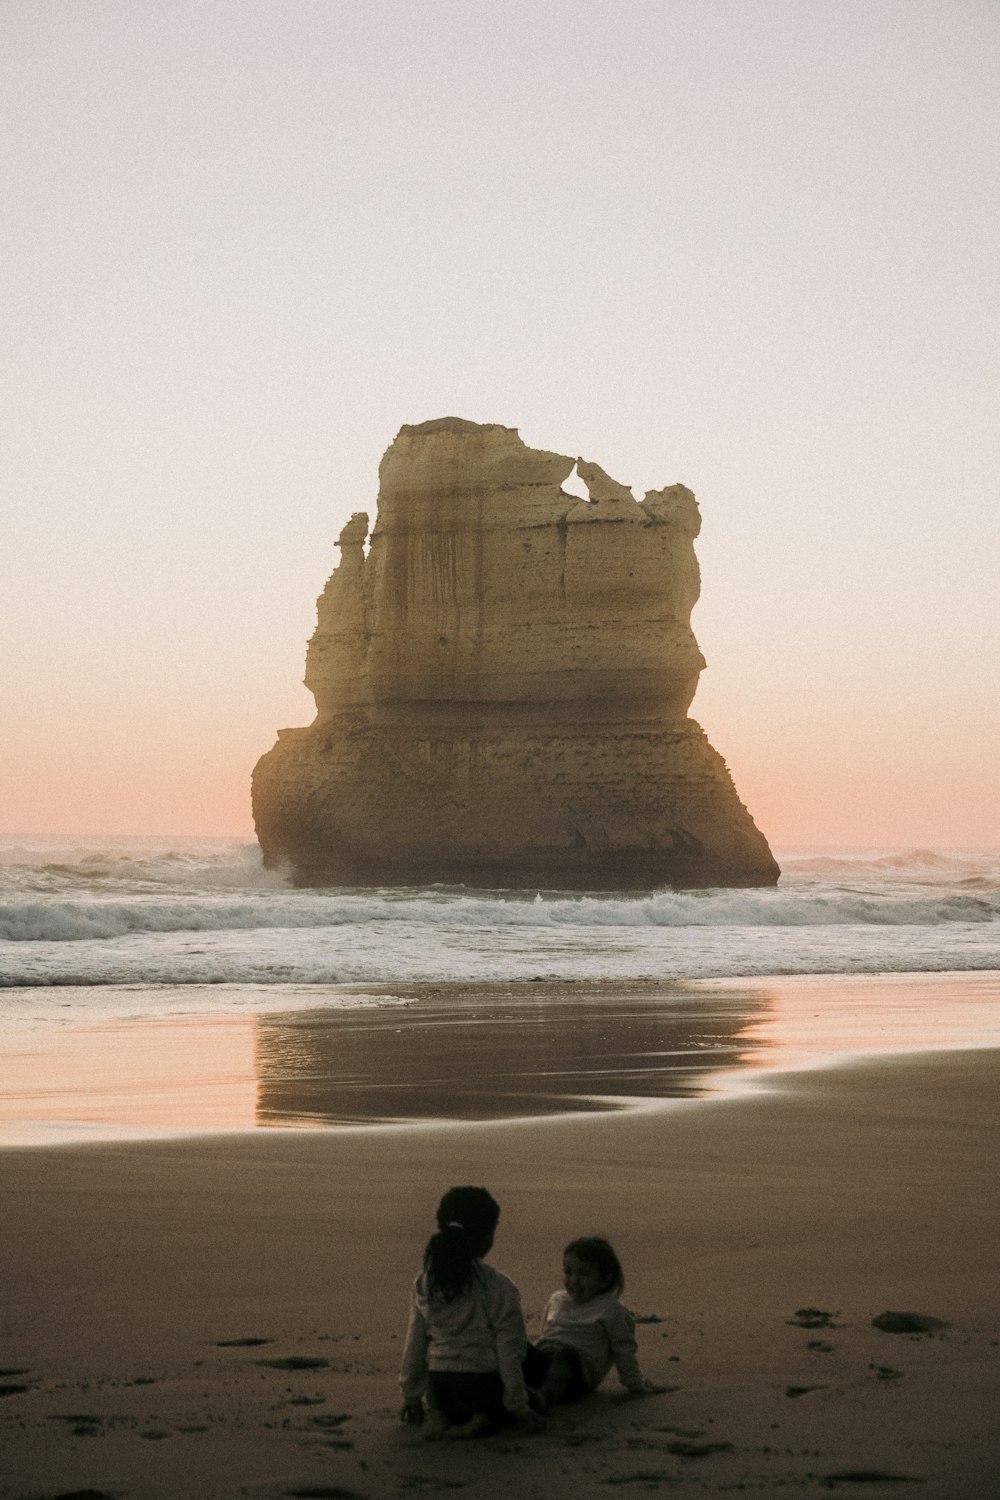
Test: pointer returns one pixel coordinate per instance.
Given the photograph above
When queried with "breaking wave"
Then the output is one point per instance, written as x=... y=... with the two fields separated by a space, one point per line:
x=70 y=920
x=182 y=912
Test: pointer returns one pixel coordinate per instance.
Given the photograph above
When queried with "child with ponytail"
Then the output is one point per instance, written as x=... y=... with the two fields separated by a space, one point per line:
x=466 y=1338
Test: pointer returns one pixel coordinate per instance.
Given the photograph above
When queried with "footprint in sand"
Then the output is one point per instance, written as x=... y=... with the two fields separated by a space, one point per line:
x=295 y=1362
x=330 y=1423
x=812 y=1317
x=324 y=1492
x=83 y=1495
x=687 y=1448
x=422 y=1481
x=82 y=1424
x=640 y=1476
x=13 y=1389
x=868 y=1476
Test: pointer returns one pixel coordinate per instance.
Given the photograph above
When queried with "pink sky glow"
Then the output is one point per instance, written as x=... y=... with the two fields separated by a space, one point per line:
x=747 y=247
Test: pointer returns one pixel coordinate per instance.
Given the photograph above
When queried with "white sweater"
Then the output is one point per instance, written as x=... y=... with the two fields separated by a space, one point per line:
x=480 y=1331
x=601 y=1331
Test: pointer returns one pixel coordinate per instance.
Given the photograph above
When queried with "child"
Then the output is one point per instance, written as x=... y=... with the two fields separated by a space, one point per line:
x=466 y=1340
x=585 y=1330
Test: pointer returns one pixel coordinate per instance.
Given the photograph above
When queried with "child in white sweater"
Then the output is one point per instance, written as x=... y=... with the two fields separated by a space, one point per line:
x=466 y=1341
x=585 y=1330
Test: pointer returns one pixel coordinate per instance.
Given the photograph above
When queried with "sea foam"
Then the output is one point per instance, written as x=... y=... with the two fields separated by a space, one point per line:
x=116 y=912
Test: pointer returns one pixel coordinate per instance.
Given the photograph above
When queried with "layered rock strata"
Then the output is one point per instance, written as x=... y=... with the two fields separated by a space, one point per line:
x=502 y=685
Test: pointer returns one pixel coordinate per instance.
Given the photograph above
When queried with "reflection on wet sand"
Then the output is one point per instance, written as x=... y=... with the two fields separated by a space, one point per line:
x=136 y=1077
x=808 y=1021
x=466 y=1052
x=497 y=1052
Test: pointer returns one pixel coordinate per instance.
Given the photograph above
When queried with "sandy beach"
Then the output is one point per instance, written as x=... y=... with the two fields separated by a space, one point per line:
x=222 y=1316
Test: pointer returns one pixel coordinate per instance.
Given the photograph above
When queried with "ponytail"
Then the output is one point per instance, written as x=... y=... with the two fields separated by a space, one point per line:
x=448 y=1261
x=467 y=1219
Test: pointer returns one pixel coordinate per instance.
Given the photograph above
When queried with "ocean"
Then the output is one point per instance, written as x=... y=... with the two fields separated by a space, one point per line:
x=105 y=912
x=184 y=966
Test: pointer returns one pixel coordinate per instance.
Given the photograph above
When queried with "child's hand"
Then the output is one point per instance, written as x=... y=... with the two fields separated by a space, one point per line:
x=530 y=1421
x=412 y=1413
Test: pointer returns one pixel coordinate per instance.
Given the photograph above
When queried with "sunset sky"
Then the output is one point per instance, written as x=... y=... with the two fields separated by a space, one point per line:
x=747 y=245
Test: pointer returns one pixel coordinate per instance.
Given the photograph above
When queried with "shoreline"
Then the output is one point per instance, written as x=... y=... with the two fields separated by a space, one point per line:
x=137 y=1273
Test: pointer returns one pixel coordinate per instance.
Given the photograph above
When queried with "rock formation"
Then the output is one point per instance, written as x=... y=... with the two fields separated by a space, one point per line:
x=502 y=685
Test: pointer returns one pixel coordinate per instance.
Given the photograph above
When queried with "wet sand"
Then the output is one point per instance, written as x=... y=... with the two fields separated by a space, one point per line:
x=223 y=1315
x=443 y=1051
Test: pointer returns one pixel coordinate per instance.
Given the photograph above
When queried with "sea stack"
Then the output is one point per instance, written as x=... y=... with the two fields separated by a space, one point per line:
x=502 y=685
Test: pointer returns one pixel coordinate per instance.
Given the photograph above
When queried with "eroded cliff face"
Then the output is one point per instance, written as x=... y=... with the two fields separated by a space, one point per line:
x=502 y=686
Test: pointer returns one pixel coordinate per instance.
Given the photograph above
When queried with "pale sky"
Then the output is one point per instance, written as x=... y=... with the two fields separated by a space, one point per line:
x=747 y=245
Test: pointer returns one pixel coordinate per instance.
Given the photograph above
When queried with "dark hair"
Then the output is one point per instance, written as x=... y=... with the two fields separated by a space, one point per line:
x=597 y=1252
x=467 y=1219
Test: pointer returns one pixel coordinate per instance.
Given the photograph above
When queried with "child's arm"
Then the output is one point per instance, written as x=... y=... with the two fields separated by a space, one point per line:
x=621 y=1333
x=413 y=1370
x=511 y=1342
